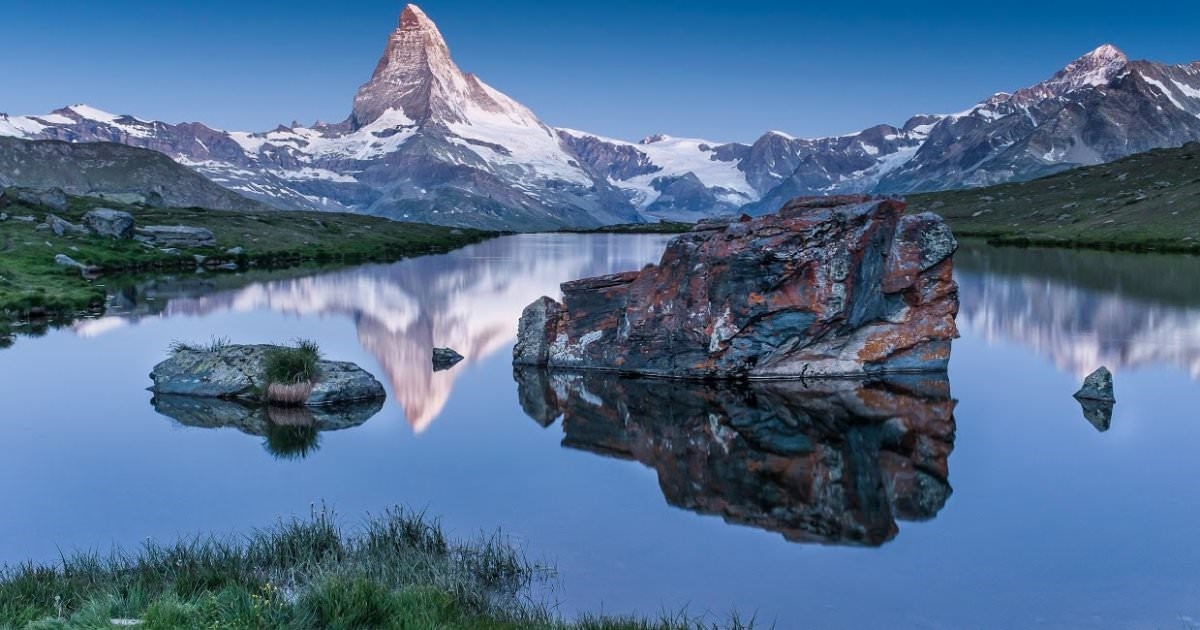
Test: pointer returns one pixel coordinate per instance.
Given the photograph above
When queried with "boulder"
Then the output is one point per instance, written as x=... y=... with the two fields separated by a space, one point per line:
x=63 y=227
x=109 y=223
x=66 y=261
x=177 y=236
x=445 y=358
x=1097 y=412
x=1097 y=386
x=842 y=286
x=236 y=372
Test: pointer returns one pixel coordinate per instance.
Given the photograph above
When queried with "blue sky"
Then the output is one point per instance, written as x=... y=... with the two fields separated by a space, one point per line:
x=718 y=70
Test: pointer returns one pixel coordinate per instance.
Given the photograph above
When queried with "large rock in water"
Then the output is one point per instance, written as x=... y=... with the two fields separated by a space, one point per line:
x=837 y=286
x=237 y=373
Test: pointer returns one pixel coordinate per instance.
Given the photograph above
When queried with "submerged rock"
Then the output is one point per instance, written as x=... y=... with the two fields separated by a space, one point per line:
x=445 y=358
x=832 y=461
x=109 y=223
x=237 y=373
x=840 y=286
x=1097 y=386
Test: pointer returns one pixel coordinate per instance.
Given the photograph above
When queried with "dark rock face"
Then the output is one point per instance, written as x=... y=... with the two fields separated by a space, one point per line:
x=445 y=358
x=828 y=461
x=826 y=287
x=237 y=373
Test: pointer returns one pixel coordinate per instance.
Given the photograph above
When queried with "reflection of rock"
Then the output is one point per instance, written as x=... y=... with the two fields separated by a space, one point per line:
x=829 y=461
x=1097 y=412
x=238 y=372
x=445 y=358
x=817 y=289
x=1097 y=386
x=212 y=413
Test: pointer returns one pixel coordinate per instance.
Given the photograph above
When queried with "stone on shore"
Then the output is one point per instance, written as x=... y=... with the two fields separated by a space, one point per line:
x=63 y=227
x=833 y=286
x=238 y=373
x=109 y=223
x=176 y=236
x=1097 y=386
x=64 y=260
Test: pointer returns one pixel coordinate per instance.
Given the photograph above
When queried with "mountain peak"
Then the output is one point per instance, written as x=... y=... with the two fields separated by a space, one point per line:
x=416 y=76
x=414 y=17
x=1105 y=53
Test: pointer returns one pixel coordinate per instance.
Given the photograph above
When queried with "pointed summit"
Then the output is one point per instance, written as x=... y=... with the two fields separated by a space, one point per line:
x=1105 y=53
x=1097 y=67
x=417 y=77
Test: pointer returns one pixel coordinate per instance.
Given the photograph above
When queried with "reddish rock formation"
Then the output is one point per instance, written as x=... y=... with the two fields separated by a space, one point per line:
x=832 y=286
x=832 y=461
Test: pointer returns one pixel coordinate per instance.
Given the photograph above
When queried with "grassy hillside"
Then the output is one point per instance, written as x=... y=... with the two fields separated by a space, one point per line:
x=32 y=284
x=1148 y=201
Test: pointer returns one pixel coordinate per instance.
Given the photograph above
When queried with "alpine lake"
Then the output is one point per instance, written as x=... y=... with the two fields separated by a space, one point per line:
x=784 y=501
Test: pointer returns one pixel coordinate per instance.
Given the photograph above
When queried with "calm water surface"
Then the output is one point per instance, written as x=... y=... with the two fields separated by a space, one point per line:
x=819 y=506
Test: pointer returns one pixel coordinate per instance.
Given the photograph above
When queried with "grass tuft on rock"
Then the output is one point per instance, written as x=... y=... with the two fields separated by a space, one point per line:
x=293 y=365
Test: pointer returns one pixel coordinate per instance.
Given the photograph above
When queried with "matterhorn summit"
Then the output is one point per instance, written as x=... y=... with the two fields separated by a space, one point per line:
x=417 y=77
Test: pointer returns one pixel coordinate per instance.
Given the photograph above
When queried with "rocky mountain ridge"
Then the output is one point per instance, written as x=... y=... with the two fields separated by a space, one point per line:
x=428 y=142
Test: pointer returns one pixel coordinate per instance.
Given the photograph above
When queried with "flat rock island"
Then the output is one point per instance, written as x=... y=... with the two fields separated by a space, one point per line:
x=828 y=286
x=240 y=372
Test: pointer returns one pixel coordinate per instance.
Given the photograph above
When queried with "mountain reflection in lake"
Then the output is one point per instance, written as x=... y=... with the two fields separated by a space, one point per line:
x=830 y=461
x=1083 y=309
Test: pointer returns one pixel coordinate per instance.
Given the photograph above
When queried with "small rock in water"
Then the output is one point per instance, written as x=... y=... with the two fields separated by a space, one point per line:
x=1097 y=386
x=445 y=358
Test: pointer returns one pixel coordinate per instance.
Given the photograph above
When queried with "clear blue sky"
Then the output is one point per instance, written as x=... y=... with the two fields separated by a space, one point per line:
x=720 y=70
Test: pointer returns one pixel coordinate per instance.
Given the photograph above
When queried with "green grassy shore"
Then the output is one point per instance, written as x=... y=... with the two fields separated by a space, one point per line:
x=395 y=571
x=1146 y=202
x=33 y=285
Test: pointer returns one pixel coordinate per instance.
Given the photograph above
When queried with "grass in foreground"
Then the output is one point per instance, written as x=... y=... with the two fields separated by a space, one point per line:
x=31 y=283
x=397 y=570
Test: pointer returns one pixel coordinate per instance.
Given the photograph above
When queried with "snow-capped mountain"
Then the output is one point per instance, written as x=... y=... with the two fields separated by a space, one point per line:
x=428 y=142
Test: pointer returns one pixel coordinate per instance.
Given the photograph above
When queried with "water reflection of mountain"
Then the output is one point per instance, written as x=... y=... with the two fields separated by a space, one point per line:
x=835 y=461
x=469 y=300
x=1084 y=309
